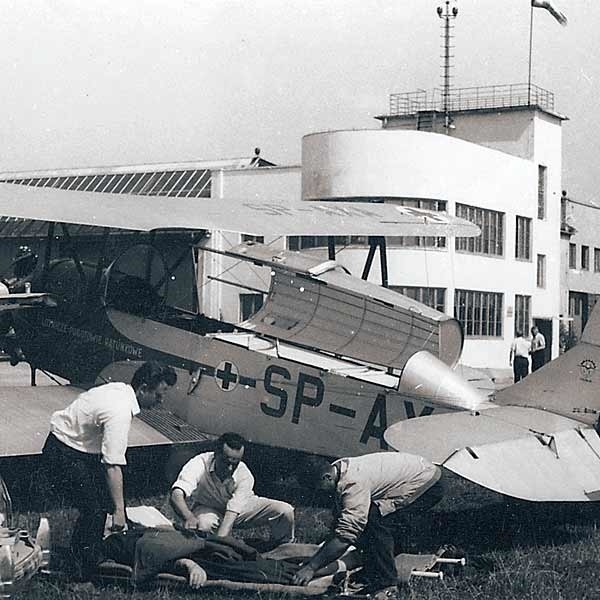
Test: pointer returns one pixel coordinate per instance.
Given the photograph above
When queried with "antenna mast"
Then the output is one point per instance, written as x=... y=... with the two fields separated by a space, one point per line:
x=448 y=15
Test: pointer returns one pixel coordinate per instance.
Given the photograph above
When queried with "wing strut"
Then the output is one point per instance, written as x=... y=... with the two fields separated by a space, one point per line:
x=374 y=243
x=331 y=247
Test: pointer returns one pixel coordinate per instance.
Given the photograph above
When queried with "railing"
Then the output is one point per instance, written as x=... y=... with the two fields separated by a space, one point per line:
x=472 y=98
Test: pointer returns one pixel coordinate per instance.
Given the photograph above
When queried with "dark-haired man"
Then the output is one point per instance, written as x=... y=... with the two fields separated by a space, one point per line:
x=86 y=447
x=215 y=492
x=371 y=492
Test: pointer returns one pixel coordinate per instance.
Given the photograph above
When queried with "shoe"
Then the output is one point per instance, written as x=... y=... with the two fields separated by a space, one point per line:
x=388 y=593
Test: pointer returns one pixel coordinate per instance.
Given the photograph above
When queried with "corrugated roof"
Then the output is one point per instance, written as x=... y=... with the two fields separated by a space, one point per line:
x=182 y=180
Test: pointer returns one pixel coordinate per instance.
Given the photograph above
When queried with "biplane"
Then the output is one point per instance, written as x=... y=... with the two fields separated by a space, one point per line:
x=331 y=363
x=325 y=366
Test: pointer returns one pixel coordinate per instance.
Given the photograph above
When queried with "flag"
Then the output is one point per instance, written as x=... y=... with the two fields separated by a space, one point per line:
x=552 y=9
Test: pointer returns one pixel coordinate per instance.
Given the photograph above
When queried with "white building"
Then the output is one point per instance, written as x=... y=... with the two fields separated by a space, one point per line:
x=499 y=164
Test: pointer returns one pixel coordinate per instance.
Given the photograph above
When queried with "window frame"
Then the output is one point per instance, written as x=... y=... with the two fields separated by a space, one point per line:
x=585 y=258
x=542 y=192
x=489 y=221
x=523 y=238
x=480 y=312
x=522 y=314
x=541 y=271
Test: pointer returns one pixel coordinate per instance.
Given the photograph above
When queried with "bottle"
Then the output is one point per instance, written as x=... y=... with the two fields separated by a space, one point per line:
x=42 y=539
x=7 y=562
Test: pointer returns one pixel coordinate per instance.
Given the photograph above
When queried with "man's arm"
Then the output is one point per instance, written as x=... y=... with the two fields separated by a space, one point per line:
x=226 y=523
x=114 y=482
x=328 y=552
x=179 y=504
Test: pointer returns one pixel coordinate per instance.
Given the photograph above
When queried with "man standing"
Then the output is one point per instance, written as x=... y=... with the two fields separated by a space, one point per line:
x=215 y=492
x=519 y=357
x=538 y=349
x=85 y=452
x=372 y=493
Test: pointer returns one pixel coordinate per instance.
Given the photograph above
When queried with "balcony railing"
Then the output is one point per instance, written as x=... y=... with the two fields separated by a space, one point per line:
x=472 y=98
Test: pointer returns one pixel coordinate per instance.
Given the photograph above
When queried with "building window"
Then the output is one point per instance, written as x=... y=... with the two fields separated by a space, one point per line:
x=522 y=314
x=479 y=312
x=541 y=270
x=341 y=241
x=523 y=238
x=433 y=297
x=596 y=260
x=572 y=256
x=491 y=223
x=260 y=239
x=585 y=258
x=250 y=304
x=542 y=184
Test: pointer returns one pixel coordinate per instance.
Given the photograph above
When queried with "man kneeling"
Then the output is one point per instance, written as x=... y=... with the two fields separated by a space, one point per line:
x=371 y=493
x=214 y=492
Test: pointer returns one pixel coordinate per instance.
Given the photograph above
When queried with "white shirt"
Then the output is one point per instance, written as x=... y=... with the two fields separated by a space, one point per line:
x=98 y=421
x=199 y=482
x=520 y=347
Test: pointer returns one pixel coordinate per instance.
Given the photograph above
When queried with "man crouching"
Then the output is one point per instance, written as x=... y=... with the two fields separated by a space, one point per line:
x=215 y=492
x=370 y=492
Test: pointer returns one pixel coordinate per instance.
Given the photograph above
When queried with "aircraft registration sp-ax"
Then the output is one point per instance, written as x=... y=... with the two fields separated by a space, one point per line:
x=330 y=364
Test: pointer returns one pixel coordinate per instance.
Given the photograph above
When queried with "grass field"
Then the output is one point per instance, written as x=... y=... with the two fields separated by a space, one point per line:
x=514 y=550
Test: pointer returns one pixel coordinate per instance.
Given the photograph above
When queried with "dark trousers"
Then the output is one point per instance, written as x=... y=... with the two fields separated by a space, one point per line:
x=80 y=478
x=520 y=368
x=377 y=540
x=537 y=359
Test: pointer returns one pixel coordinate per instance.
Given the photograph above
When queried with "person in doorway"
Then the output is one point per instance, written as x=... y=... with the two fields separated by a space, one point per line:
x=373 y=494
x=85 y=453
x=519 y=356
x=538 y=349
x=214 y=493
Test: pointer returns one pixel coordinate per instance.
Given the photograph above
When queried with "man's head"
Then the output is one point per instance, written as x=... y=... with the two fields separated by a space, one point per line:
x=519 y=333
x=228 y=454
x=151 y=381
x=319 y=474
x=534 y=331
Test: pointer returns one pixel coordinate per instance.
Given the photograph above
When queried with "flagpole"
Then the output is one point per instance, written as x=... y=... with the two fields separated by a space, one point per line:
x=530 y=54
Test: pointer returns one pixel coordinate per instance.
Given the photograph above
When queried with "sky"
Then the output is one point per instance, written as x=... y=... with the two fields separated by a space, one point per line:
x=100 y=83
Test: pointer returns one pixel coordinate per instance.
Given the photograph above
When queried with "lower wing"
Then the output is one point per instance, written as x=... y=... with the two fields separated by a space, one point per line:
x=25 y=418
x=522 y=452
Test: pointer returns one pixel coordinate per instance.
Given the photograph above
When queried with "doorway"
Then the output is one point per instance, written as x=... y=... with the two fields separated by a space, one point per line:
x=545 y=327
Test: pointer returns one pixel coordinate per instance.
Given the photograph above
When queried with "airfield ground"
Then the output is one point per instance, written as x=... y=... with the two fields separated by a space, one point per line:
x=514 y=550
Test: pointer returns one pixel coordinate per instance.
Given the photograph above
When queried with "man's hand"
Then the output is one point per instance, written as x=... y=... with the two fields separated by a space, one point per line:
x=119 y=520
x=303 y=576
x=191 y=523
x=195 y=573
x=196 y=576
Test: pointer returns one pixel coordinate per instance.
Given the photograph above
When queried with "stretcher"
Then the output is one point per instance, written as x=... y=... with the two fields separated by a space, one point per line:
x=335 y=580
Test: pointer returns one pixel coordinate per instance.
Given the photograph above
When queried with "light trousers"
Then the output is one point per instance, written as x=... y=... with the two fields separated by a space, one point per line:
x=278 y=515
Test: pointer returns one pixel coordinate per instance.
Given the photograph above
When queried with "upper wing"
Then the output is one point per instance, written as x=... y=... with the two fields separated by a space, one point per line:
x=255 y=217
x=25 y=419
